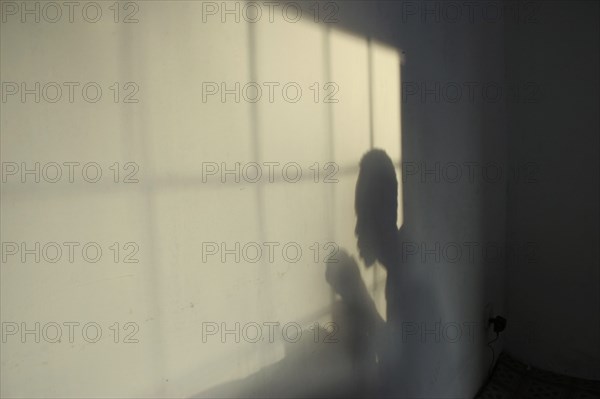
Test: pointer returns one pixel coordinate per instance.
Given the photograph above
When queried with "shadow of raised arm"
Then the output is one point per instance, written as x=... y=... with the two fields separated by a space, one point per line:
x=343 y=275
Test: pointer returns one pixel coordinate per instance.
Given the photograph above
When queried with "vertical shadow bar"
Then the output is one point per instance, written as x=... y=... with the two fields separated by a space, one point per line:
x=370 y=80
x=260 y=197
x=330 y=196
x=147 y=187
x=371 y=125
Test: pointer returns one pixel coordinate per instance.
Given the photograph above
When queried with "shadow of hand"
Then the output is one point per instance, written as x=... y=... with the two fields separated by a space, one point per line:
x=343 y=275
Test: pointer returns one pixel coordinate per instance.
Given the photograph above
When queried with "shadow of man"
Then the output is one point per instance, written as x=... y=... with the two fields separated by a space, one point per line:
x=407 y=346
x=371 y=357
x=376 y=207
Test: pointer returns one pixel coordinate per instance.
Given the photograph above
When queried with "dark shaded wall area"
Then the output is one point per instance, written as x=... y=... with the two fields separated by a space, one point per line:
x=553 y=300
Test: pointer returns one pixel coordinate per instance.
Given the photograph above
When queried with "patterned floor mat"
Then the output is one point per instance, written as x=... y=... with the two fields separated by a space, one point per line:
x=515 y=380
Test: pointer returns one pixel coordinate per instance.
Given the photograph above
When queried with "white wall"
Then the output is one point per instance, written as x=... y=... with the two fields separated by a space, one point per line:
x=171 y=292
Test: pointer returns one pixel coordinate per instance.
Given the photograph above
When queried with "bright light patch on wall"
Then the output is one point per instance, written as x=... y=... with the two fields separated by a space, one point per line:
x=179 y=215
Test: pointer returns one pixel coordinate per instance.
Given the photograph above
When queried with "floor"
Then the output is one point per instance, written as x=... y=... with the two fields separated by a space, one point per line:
x=515 y=380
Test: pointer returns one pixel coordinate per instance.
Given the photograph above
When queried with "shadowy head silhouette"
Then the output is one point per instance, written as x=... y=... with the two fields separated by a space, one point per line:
x=376 y=205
